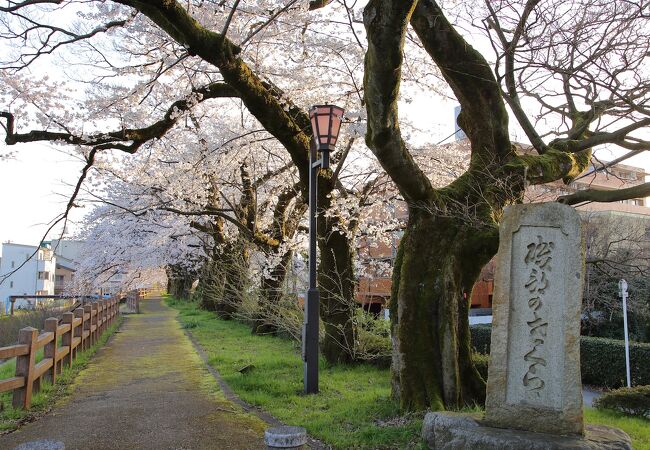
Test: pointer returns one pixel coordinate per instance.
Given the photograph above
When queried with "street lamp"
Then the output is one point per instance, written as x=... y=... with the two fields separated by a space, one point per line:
x=326 y=124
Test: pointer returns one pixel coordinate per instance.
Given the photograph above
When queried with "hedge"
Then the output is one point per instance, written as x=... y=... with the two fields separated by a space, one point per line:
x=602 y=361
x=634 y=401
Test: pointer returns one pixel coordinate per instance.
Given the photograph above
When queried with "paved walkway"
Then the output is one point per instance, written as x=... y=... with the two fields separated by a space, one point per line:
x=147 y=389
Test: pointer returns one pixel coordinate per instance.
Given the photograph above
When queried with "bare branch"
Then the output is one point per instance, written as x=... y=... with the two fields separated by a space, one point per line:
x=595 y=195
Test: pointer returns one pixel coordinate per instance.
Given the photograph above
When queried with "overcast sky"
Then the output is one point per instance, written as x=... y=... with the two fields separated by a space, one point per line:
x=32 y=190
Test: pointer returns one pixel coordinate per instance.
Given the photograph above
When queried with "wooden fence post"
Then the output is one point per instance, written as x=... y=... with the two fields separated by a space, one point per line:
x=25 y=368
x=87 y=341
x=51 y=326
x=66 y=339
x=94 y=322
x=104 y=315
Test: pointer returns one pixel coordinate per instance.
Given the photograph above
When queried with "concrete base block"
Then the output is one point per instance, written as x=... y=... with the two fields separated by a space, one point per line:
x=457 y=431
x=285 y=438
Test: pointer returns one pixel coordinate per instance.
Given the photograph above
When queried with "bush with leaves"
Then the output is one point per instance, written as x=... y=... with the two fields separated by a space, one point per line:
x=634 y=401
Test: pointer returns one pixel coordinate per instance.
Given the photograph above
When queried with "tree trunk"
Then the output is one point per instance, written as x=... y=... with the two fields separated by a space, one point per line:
x=437 y=264
x=210 y=287
x=179 y=281
x=271 y=293
x=234 y=264
x=337 y=287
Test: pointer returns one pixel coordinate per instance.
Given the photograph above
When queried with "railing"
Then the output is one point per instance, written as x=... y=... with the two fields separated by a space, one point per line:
x=133 y=297
x=78 y=330
x=133 y=300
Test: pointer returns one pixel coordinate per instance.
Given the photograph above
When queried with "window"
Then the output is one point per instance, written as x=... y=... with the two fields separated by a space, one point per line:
x=43 y=275
x=59 y=278
x=13 y=264
x=11 y=284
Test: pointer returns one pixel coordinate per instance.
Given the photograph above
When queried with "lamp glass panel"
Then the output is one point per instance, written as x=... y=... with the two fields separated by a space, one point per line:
x=314 y=124
x=336 y=125
x=323 y=118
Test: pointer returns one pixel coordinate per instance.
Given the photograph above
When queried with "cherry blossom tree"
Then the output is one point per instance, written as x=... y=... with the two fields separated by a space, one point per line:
x=602 y=86
x=164 y=60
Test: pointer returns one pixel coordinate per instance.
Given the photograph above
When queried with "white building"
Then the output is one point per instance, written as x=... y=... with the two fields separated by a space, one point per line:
x=35 y=277
x=69 y=249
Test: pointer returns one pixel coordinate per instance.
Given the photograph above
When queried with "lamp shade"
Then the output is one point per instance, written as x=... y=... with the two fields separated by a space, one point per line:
x=326 y=124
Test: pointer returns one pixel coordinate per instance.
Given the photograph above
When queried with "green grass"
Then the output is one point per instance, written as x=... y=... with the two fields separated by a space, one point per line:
x=352 y=410
x=11 y=418
x=636 y=427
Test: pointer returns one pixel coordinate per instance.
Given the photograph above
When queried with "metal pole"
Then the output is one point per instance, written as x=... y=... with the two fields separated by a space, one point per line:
x=310 y=325
x=623 y=291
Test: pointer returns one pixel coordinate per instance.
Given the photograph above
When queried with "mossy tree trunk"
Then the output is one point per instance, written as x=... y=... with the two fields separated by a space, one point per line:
x=234 y=263
x=271 y=288
x=179 y=281
x=432 y=365
x=337 y=286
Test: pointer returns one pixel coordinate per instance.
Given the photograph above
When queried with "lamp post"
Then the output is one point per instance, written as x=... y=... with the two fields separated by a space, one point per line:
x=325 y=123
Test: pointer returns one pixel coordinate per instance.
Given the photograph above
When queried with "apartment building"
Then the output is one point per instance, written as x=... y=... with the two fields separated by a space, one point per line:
x=29 y=275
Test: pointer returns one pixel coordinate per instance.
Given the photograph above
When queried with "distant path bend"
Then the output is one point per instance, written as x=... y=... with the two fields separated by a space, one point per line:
x=147 y=389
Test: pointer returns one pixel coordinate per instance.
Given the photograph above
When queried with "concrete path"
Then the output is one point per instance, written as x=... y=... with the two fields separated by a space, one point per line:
x=147 y=389
x=589 y=395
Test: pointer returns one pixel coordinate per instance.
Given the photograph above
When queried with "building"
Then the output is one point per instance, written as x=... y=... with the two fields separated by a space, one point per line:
x=64 y=274
x=31 y=275
x=374 y=285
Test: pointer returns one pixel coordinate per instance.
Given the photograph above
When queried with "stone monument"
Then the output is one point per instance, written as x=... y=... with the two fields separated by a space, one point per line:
x=534 y=371
x=534 y=389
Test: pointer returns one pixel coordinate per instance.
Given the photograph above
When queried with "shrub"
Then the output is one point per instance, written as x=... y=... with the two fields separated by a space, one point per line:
x=481 y=363
x=634 y=401
x=481 y=335
x=602 y=361
x=10 y=325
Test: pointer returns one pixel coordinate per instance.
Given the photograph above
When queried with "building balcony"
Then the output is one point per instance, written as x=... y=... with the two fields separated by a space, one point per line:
x=45 y=285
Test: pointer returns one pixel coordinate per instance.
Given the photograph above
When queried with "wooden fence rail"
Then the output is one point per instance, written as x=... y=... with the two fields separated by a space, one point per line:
x=78 y=330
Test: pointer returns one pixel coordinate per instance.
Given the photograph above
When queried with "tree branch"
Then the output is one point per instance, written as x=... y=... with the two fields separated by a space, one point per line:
x=596 y=195
x=113 y=139
x=386 y=23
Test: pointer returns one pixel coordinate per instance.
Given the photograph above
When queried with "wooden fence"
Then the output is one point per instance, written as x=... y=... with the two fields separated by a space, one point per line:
x=78 y=330
x=133 y=297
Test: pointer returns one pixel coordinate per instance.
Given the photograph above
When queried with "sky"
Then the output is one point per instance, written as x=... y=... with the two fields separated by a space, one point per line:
x=33 y=190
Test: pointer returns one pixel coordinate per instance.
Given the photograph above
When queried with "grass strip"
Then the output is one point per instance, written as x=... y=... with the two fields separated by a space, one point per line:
x=11 y=418
x=353 y=408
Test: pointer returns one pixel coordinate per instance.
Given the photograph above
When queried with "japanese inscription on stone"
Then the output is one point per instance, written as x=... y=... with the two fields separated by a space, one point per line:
x=534 y=372
x=535 y=293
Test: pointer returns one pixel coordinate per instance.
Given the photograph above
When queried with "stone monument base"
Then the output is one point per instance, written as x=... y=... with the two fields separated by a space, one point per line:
x=458 y=431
